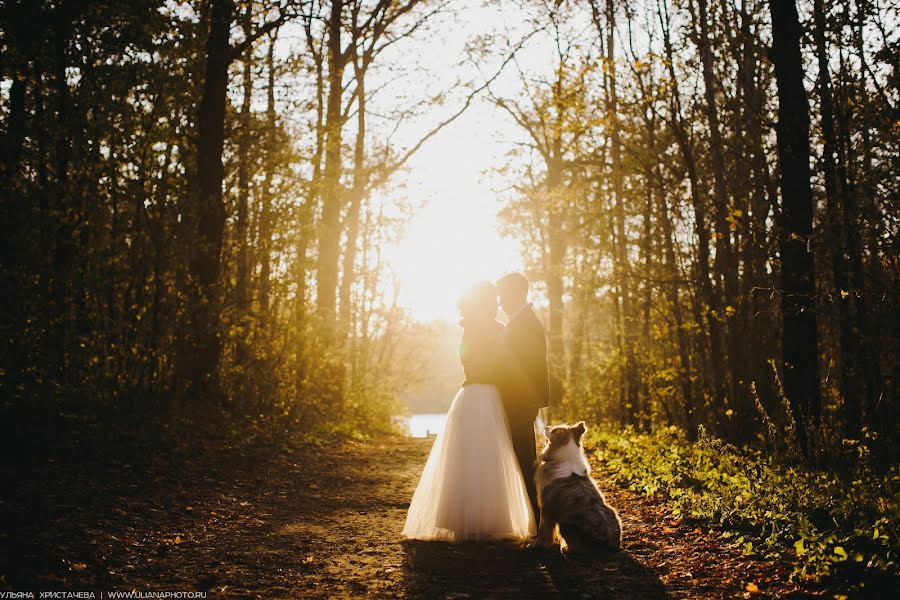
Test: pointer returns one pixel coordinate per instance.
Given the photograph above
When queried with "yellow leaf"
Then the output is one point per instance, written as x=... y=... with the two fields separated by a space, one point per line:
x=729 y=412
x=188 y=508
x=308 y=559
x=752 y=588
x=844 y=293
x=79 y=566
x=178 y=539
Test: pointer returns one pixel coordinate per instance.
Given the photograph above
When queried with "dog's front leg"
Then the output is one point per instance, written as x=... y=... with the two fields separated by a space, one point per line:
x=545 y=532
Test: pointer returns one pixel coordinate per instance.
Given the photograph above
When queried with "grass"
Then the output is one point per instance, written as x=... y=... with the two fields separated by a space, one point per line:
x=825 y=525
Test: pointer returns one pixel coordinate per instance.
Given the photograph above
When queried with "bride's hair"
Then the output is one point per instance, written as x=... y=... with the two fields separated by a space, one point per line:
x=478 y=300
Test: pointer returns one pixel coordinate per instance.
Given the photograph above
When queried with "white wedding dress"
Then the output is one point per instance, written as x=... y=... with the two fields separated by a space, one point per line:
x=471 y=487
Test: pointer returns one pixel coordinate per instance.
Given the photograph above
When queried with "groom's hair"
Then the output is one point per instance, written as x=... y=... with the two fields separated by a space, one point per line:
x=514 y=282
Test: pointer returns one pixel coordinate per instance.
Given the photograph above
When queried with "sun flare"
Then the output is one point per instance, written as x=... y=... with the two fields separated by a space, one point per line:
x=453 y=239
x=450 y=243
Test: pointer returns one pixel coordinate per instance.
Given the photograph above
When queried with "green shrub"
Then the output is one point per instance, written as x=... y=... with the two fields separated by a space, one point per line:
x=819 y=521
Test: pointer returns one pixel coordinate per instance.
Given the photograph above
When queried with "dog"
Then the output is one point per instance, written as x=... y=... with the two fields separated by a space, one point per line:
x=570 y=498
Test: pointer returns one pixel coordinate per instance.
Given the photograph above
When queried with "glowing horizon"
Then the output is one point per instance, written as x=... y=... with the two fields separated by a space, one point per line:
x=453 y=240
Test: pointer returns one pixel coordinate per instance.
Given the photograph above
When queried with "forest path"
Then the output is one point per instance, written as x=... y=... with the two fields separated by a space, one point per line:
x=323 y=522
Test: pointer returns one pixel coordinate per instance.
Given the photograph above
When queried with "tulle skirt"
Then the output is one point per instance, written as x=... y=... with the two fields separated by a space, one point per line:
x=472 y=487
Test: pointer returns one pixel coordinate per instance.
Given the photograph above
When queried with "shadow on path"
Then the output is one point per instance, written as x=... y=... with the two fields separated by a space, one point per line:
x=265 y=521
x=439 y=569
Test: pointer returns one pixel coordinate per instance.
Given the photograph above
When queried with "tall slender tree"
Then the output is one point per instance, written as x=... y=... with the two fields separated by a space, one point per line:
x=800 y=351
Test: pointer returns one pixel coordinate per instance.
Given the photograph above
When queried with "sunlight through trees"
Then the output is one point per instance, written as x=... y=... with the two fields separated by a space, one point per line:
x=203 y=200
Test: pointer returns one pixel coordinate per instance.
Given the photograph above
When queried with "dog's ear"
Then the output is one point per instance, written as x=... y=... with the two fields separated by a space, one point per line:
x=547 y=431
x=578 y=430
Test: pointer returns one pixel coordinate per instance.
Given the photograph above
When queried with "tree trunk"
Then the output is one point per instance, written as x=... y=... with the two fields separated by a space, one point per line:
x=684 y=357
x=66 y=215
x=314 y=194
x=620 y=265
x=847 y=339
x=756 y=248
x=643 y=395
x=199 y=360
x=724 y=264
x=671 y=290
x=555 y=288
x=15 y=132
x=265 y=208
x=709 y=298
x=330 y=225
x=357 y=192
x=20 y=33
x=869 y=335
x=798 y=306
x=242 y=287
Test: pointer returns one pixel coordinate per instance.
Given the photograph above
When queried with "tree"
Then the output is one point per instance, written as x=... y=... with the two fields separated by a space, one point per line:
x=800 y=353
x=198 y=358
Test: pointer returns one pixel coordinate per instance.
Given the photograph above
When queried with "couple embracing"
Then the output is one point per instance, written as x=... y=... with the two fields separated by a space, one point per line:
x=478 y=482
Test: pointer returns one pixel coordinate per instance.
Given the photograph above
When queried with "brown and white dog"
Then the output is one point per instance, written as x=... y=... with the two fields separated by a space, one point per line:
x=569 y=497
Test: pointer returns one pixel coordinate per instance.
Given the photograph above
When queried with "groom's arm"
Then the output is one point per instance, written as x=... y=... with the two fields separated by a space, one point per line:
x=539 y=367
x=531 y=349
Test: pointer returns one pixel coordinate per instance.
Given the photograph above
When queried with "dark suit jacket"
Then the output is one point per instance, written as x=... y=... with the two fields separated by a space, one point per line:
x=525 y=384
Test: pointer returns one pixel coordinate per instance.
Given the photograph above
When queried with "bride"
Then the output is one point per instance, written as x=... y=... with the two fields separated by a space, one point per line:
x=472 y=487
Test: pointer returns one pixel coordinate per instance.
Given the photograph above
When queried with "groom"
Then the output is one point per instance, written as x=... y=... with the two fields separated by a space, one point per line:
x=524 y=384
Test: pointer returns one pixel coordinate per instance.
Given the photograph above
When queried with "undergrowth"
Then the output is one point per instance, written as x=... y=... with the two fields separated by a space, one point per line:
x=824 y=524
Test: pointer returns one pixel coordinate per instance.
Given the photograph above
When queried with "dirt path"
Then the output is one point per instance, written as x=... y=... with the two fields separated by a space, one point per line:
x=321 y=523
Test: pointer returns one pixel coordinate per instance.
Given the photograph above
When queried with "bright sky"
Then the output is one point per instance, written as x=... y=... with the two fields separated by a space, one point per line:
x=453 y=240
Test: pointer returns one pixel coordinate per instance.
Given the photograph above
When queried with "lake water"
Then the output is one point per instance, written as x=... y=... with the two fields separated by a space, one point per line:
x=425 y=424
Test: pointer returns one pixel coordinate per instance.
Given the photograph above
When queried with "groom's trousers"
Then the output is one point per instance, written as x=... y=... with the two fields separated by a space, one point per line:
x=521 y=430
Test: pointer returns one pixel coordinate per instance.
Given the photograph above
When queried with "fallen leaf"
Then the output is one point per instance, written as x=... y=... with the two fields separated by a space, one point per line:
x=79 y=566
x=178 y=539
x=308 y=559
x=752 y=588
